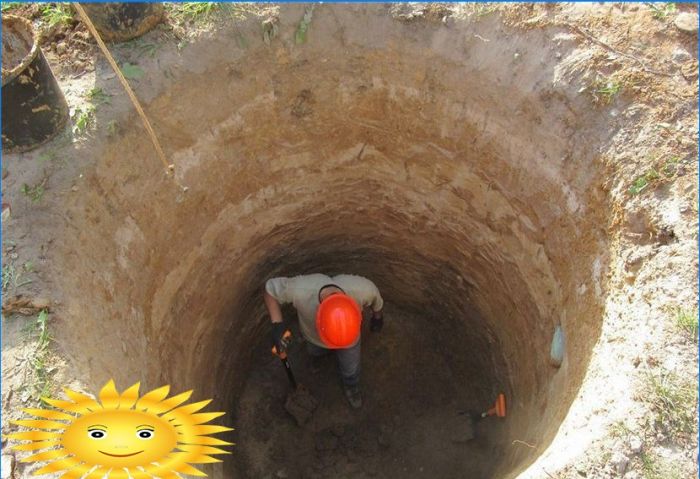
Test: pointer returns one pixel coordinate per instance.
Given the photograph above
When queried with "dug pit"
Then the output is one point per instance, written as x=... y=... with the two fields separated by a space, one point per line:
x=452 y=162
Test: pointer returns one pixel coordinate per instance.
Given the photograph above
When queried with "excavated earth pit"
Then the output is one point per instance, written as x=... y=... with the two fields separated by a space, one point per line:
x=453 y=164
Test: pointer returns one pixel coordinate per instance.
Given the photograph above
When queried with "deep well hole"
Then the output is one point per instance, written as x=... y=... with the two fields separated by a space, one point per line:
x=457 y=175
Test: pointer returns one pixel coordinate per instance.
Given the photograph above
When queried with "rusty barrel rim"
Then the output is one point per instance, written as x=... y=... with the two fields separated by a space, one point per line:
x=10 y=22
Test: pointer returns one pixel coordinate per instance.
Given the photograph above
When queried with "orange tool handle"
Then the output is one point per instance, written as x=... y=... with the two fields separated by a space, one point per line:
x=286 y=336
x=499 y=408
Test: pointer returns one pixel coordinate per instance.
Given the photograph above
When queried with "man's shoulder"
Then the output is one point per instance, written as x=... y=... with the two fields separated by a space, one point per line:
x=351 y=279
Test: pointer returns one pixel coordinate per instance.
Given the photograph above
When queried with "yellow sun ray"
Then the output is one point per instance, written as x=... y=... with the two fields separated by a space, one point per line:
x=33 y=435
x=121 y=436
x=40 y=424
x=190 y=408
x=205 y=430
x=57 y=466
x=46 y=455
x=168 y=404
x=139 y=474
x=98 y=473
x=82 y=399
x=198 y=449
x=49 y=414
x=118 y=474
x=33 y=446
x=129 y=397
x=206 y=441
x=151 y=398
x=79 y=408
x=77 y=472
x=187 y=469
x=109 y=396
x=161 y=472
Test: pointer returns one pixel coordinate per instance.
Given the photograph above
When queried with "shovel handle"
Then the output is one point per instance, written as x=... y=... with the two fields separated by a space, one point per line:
x=282 y=354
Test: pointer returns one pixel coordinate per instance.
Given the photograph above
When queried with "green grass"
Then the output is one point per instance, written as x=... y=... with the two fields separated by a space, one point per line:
x=654 y=467
x=34 y=192
x=11 y=276
x=303 y=27
x=8 y=6
x=605 y=89
x=56 y=13
x=620 y=429
x=83 y=120
x=687 y=322
x=193 y=11
x=666 y=171
x=673 y=402
x=99 y=97
x=642 y=182
x=40 y=383
x=663 y=11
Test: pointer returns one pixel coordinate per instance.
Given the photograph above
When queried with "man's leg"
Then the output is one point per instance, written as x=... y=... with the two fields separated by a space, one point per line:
x=349 y=364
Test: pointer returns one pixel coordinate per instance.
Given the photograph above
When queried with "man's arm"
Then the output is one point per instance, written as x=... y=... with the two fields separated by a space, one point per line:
x=273 y=307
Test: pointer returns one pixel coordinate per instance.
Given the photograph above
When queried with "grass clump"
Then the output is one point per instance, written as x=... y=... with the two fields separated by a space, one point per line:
x=7 y=7
x=83 y=120
x=98 y=96
x=664 y=171
x=686 y=321
x=41 y=368
x=662 y=11
x=655 y=467
x=56 y=14
x=193 y=11
x=605 y=89
x=34 y=192
x=673 y=402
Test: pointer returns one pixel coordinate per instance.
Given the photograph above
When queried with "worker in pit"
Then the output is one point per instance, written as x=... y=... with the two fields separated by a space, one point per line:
x=330 y=316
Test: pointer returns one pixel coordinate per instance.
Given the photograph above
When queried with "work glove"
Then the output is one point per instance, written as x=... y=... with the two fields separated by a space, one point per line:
x=376 y=324
x=278 y=338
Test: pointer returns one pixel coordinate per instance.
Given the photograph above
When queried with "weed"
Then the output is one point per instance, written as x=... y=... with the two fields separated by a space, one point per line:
x=687 y=322
x=41 y=370
x=673 y=402
x=12 y=277
x=620 y=429
x=98 y=96
x=56 y=13
x=605 y=89
x=8 y=276
x=654 y=467
x=193 y=11
x=132 y=72
x=7 y=6
x=47 y=156
x=642 y=182
x=83 y=120
x=34 y=192
x=300 y=35
x=661 y=12
x=111 y=128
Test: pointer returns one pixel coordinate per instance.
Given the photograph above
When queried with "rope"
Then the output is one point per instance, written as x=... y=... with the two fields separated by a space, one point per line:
x=169 y=167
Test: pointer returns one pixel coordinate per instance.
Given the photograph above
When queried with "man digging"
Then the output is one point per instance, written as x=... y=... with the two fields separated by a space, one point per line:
x=330 y=316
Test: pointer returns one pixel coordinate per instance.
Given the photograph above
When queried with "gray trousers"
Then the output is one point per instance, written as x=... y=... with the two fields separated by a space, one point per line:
x=348 y=361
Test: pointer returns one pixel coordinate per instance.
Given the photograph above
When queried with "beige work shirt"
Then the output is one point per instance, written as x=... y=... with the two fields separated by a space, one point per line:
x=302 y=292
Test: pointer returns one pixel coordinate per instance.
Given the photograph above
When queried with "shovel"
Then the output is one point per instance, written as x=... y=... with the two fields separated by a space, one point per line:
x=299 y=403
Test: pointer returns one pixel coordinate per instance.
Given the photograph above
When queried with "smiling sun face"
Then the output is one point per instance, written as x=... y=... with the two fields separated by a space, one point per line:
x=120 y=438
x=121 y=435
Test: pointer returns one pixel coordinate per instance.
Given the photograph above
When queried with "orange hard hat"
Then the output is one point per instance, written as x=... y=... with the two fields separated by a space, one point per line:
x=338 y=321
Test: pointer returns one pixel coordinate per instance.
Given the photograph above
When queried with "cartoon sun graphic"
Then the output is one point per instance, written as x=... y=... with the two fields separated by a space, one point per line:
x=121 y=435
